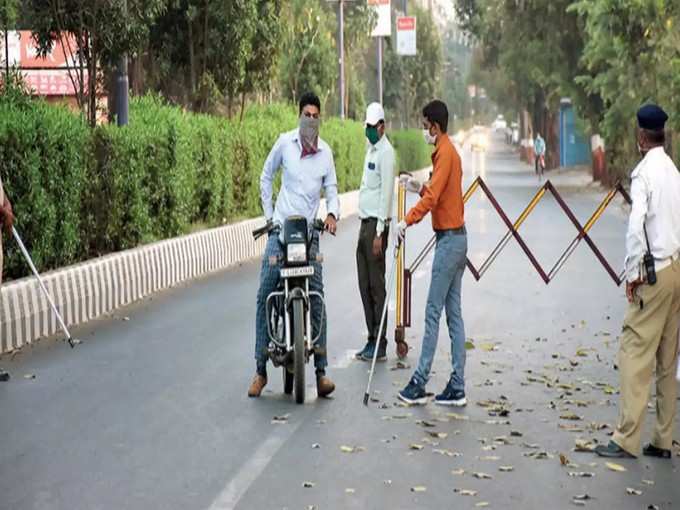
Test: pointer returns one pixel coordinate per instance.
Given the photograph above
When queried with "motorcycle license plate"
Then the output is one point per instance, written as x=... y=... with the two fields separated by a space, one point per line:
x=297 y=272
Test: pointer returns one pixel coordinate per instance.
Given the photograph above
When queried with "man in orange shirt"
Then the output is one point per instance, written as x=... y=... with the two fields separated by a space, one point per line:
x=443 y=197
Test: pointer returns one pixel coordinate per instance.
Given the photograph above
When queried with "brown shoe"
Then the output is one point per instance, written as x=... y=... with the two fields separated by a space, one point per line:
x=324 y=386
x=258 y=384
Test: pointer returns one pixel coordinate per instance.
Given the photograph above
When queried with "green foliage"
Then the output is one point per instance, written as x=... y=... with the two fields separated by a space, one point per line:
x=44 y=154
x=412 y=151
x=308 y=55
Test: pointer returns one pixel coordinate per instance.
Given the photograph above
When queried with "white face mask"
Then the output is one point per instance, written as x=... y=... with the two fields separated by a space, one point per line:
x=429 y=139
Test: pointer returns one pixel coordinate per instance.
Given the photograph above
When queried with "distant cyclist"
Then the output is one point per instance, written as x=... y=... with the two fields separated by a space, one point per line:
x=539 y=150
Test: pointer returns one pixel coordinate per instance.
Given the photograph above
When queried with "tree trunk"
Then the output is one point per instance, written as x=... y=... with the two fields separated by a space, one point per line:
x=192 y=57
x=243 y=106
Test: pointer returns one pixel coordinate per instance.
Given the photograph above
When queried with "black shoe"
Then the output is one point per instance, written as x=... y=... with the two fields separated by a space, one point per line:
x=367 y=354
x=360 y=354
x=451 y=397
x=652 y=451
x=613 y=451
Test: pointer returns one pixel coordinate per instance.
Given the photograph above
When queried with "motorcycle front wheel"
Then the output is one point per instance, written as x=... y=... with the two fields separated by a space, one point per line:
x=299 y=350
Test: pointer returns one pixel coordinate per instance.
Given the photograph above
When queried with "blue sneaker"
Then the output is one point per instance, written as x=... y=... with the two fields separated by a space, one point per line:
x=451 y=397
x=362 y=353
x=413 y=393
x=367 y=353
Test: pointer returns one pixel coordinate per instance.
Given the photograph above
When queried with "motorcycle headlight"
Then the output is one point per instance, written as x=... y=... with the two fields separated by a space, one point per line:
x=297 y=253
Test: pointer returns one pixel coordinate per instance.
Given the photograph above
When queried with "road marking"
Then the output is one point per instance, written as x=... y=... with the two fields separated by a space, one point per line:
x=251 y=470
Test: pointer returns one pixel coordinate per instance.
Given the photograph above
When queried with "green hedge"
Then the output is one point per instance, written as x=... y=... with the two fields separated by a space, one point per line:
x=80 y=193
x=412 y=151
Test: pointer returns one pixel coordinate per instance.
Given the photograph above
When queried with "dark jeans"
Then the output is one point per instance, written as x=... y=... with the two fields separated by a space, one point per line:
x=371 y=273
x=539 y=167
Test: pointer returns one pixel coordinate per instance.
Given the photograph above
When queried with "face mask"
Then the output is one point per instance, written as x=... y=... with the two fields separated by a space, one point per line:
x=372 y=134
x=309 y=130
x=429 y=139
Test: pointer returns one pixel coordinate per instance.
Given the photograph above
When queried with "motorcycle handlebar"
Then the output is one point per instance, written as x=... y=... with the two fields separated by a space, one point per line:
x=269 y=226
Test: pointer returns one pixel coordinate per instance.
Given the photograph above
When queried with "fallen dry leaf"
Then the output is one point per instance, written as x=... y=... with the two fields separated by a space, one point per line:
x=582 y=497
x=444 y=451
x=416 y=446
x=29 y=376
x=482 y=476
x=633 y=492
x=349 y=491
x=457 y=416
x=308 y=485
x=490 y=457
x=616 y=467
x=488 y=346
x=648 y=482
x=316 y=446
x=571 y=416
x=465 y=492
x=581 y=474
x=281 y=419
x=469 y=345
x=506 y=469
x=563 y=459
x=458 y=472
x=419 y=488
x=482 y=504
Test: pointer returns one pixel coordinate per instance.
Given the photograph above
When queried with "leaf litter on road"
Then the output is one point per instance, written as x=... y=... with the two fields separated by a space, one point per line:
x=615 y=467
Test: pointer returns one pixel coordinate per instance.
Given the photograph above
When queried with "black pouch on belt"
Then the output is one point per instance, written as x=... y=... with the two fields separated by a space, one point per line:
x=648 y=261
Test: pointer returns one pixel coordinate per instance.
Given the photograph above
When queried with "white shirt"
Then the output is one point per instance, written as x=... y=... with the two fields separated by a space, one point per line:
x=655 y=190
x=302 y=182
x=377 y=183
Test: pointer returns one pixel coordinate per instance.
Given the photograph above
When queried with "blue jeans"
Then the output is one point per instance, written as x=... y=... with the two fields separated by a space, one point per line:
x=447 y=275
x=269 y=281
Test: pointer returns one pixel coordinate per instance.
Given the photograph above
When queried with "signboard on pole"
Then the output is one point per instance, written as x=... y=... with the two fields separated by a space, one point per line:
x=382 y=8
x=406 y=35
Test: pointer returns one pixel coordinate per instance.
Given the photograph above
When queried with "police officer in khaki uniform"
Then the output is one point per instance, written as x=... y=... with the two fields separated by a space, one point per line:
x=650 y=328
x=6 y=219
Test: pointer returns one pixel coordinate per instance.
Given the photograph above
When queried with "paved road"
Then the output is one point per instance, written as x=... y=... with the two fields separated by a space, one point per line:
x=150 y=412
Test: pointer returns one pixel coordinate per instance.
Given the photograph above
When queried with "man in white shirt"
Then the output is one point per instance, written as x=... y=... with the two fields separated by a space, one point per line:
x=375 y=210
x=307 y=167
x=650 y=327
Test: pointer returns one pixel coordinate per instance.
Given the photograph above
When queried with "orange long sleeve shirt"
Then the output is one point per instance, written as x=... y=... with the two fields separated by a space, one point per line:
x=444 y=195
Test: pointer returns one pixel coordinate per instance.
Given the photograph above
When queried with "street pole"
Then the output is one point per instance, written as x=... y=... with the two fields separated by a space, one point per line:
x=122 y=86
x=380 y=70
x=341 y=56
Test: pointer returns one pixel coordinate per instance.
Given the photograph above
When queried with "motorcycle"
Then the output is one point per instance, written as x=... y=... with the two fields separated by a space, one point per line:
x=289 y=307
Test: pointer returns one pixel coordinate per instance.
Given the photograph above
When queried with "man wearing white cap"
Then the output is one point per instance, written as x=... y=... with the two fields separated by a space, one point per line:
x=375 y=209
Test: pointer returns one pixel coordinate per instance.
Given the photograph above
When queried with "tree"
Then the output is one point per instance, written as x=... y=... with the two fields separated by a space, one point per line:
x=308 y=55
x=631 y=56
x=95 y=34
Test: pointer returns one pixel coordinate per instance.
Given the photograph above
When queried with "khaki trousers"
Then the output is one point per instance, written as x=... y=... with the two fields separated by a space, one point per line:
x=650 y=336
